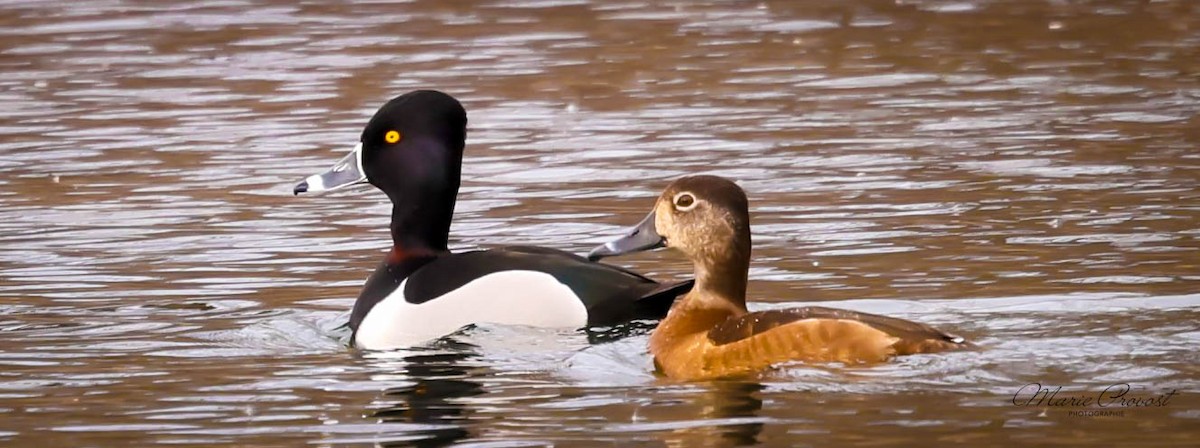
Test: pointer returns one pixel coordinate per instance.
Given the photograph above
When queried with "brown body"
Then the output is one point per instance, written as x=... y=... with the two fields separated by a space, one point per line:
x=710 y=334
x=696 y=343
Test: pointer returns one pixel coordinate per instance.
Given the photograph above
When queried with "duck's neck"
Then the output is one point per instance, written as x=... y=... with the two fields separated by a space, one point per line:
x=421 y=178
x=421 y=226
x=719 y=293
x=721 y=281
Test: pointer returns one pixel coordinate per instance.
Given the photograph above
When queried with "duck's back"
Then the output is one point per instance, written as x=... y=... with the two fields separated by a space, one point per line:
x=750 y=342
x=610 y=294
x=402 y=305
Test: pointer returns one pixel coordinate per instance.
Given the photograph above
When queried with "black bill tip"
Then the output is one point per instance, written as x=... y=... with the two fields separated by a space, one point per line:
x=300 y=188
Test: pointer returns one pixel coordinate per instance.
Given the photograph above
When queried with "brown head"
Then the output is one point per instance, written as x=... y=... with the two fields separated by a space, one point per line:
x=708 y=219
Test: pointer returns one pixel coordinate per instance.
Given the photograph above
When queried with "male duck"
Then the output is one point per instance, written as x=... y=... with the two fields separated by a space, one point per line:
x=412 y=150
x=709 y=333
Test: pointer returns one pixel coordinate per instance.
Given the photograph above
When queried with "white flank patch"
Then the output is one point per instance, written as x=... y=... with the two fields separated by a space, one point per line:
x=528 y=298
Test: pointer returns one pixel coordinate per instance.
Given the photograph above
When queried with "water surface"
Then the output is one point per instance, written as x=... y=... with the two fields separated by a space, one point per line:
x=1023 y=173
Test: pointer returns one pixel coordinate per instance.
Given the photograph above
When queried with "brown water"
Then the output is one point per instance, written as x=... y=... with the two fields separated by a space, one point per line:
x=1021 y=172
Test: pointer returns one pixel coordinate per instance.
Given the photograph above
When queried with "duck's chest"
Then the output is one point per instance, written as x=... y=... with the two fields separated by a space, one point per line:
x=681 y=346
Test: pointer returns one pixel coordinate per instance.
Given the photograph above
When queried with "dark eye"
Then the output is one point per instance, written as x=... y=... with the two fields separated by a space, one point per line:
x=684 y=202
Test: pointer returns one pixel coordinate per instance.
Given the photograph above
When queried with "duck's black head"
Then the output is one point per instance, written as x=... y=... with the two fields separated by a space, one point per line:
x=414 y=145
x=411 y=150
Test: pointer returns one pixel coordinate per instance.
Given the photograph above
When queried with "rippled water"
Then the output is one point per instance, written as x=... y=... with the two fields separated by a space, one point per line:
x=1020 y=172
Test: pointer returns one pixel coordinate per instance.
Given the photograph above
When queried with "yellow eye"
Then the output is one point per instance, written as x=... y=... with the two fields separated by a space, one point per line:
x=391 y=137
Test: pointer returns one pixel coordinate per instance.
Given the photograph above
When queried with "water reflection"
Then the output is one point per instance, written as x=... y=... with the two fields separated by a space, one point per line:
x=600 y=335
x=727 y=414
x=441 y=382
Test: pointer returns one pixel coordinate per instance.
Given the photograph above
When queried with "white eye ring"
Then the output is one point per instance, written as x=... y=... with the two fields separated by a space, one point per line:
x=680 y=198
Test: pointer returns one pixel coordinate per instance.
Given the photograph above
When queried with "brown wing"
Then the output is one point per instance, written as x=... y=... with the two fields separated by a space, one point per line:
x=911 y=337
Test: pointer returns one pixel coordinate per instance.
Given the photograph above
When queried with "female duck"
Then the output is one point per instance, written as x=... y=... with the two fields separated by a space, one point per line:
x=709 y=333
x=412 y=150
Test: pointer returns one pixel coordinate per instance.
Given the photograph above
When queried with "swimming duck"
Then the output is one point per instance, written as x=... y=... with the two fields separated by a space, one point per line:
x=412 y=150
x=709 y=333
